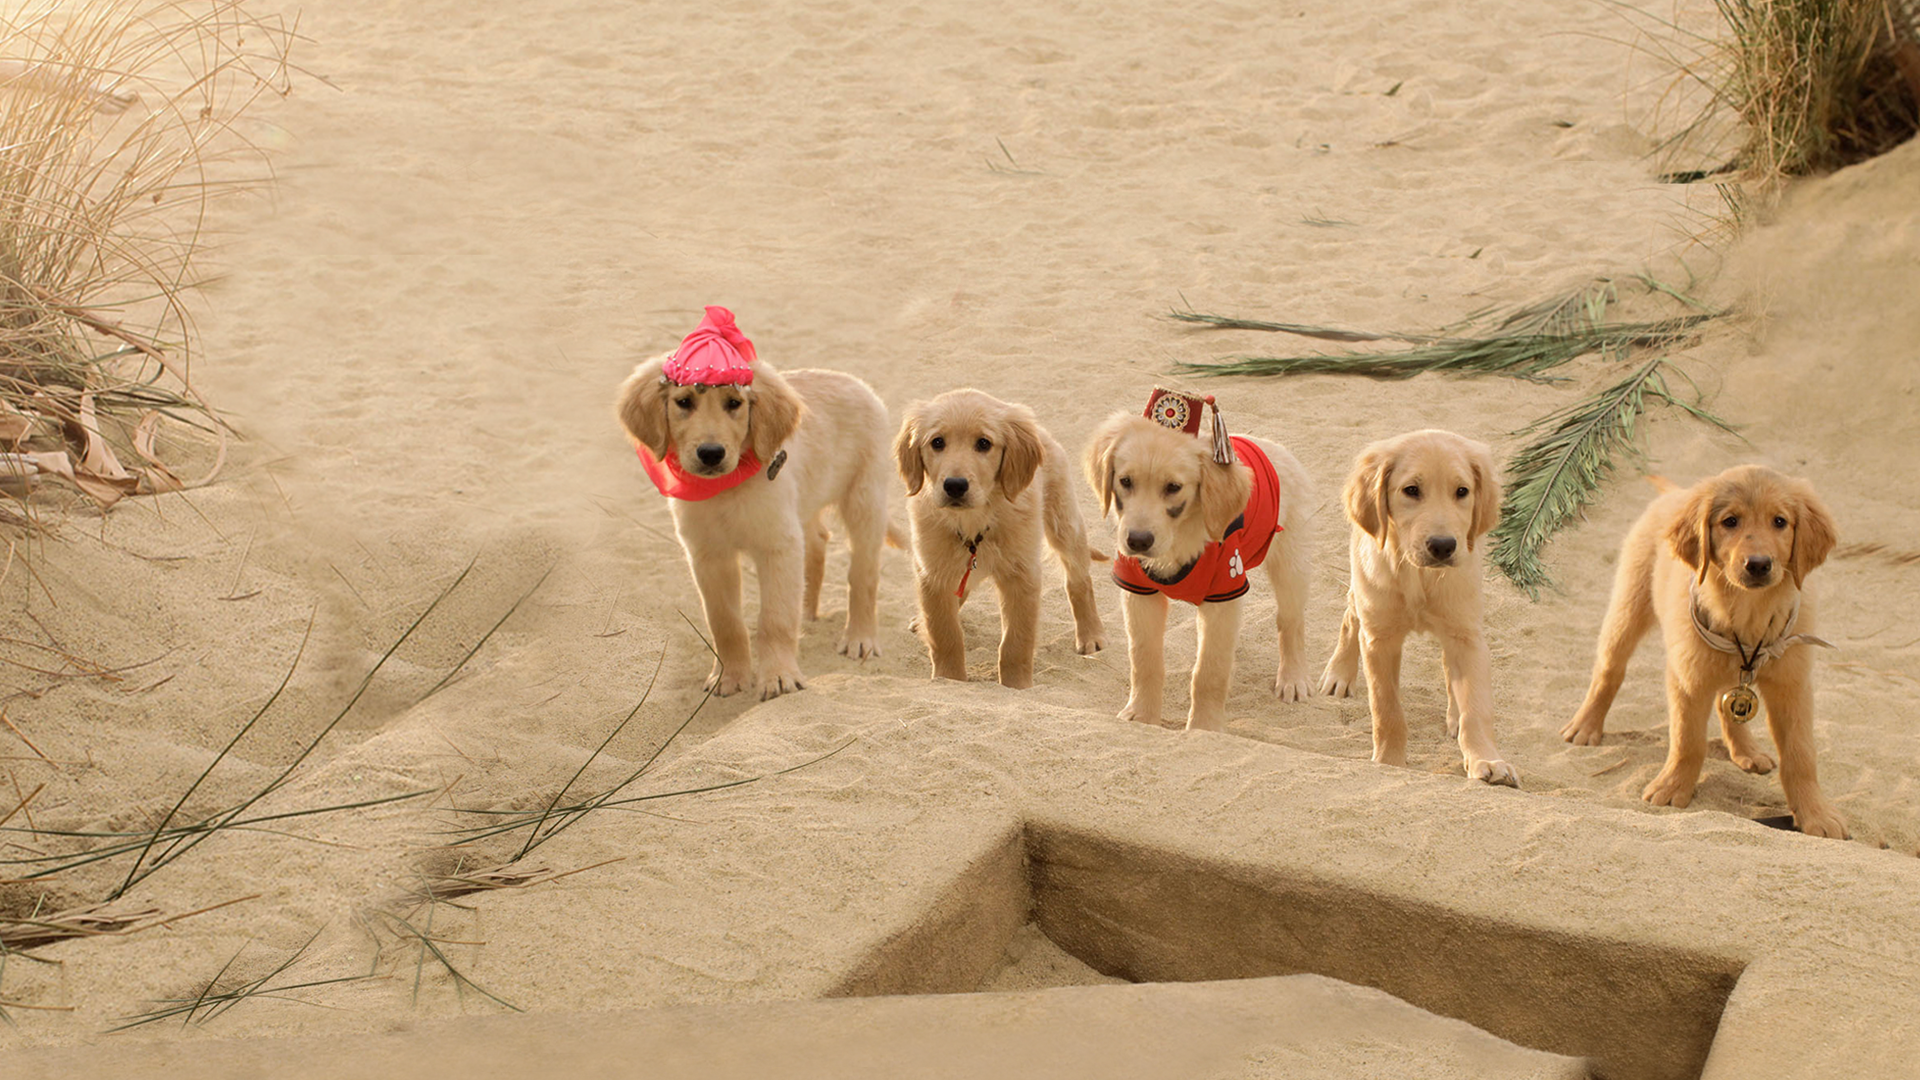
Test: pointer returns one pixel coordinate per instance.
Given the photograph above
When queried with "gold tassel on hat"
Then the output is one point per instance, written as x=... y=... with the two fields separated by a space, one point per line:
x=1222 y=448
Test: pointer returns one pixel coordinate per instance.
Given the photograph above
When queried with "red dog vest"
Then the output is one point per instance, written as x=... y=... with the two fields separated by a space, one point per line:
x=1220 y=573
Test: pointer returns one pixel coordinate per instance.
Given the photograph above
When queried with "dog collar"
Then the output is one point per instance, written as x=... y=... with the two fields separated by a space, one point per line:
x=1740 y=704
x=675 y=482
x=1762 y=651
x=973 y=557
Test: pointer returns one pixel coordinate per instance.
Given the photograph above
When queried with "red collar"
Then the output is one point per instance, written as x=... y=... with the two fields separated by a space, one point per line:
x=677 y=483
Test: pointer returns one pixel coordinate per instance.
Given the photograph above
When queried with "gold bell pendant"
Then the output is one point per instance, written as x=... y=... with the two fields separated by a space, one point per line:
x=1740 y=704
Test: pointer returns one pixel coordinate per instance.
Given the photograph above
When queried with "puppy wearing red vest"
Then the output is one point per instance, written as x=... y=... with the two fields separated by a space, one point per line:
x=750 y=459
x=1196 y=517
x=1421 y=504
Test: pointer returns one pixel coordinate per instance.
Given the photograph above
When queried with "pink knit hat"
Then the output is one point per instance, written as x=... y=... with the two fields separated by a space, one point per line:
x=715 y=354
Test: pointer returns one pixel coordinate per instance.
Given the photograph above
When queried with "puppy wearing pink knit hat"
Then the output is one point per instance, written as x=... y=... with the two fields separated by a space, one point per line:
x=750 y=459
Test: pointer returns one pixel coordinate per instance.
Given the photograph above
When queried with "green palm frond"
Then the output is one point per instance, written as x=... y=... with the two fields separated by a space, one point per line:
x=1555 y=338
x=1560 y=470
x=1570 y=452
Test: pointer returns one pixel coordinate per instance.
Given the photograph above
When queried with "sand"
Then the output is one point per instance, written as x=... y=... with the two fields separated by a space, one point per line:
x=483 y=218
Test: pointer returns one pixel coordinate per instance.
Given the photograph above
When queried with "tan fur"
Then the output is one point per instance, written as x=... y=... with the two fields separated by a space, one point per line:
x=1017 y=488
x=1166 y=483
x=1681 y=541
x=1404 y=495
x=834 y=431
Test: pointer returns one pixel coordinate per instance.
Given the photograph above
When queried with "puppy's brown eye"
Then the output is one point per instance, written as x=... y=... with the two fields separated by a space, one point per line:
x=1126 y=482
x=937 y=443
x=1411 y=491
x=733 y=404
x=1460 y=493
x=1731 y=521
x=1779 y=522
x=684 y=402
x=1173 y=489
x=983 y=445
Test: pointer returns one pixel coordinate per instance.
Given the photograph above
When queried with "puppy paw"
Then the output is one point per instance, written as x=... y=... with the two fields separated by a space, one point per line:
x=1755 y=762
x=1140 y=713
x=1821 y=820
x=1337 y=680
x=1087 y=645
x=1493 y=772
x=724 y=683
x=1669 y=789
x=1207 y=720
x=859 y=648
x=1383 y=756
x=1582 y=732
x=775 y=683
x=1290 y=687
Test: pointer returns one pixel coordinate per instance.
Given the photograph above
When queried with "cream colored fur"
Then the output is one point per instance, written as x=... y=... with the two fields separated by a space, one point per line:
x=1684 y=540
x=1013 y=486
x=834 y=431
x=1165 y=483
x=1405 y=495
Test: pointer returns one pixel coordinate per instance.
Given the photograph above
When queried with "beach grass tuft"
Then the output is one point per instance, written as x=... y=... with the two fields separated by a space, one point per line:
x=121 y=126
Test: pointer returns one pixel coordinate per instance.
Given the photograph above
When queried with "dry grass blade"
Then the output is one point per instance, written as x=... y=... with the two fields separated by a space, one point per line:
x=120 y=128
x=217 y=996
x=179 y=839
x=552 y=819
x=458 y=882
x=36 y=930
x=133 y=872
x=430 y=945
x=484 y=638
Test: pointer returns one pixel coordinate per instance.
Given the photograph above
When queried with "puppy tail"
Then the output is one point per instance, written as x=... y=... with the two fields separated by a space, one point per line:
x=896 y=536
x=1097 y=555
x=1662 y=485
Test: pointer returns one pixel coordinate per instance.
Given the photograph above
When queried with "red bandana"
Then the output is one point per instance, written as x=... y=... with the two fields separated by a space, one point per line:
x=677 y=483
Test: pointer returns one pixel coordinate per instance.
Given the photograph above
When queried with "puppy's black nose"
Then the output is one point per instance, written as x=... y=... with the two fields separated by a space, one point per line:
x=1139 y=540
x=710 y=454
x=1759 y=566
x=1441 y=547
x=956 y=486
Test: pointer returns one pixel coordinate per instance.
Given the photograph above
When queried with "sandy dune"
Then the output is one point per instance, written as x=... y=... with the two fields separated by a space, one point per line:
x=489 y=212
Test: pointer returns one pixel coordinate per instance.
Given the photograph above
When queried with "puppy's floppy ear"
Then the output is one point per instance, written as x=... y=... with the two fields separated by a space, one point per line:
x=1691 y=534
x=1099 y=458
x=1224 y=491
x=1366 y=491
x=1486 y=492
x=642 y=407
x=906 y=448
x=776 y=413
x=1020 y=450
x=1814 y=533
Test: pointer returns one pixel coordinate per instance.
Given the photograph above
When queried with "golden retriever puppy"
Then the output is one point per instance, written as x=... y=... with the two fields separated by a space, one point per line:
x=1192 y=528
x=1419 y=505
x=750 y=468
x=1722 y=567
x=998 y=481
